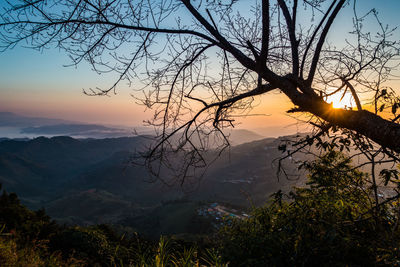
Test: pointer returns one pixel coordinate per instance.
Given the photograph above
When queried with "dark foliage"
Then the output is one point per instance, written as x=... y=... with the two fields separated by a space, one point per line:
x=25 y=224
x=32 y=238
x=331 y=222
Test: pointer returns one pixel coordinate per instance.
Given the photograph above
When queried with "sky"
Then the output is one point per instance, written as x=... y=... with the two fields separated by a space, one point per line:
x=37 y=83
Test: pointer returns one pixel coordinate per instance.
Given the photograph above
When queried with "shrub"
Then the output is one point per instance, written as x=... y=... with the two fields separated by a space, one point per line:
x=330 y=222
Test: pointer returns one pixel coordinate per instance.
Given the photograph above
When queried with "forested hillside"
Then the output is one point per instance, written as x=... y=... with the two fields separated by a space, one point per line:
x=332 y=221
x=88 y=181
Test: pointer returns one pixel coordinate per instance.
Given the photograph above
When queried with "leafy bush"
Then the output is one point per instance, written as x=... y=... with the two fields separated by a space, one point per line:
x=83 y=243
x=31 y=238
x=25 y=224
x=331 y=222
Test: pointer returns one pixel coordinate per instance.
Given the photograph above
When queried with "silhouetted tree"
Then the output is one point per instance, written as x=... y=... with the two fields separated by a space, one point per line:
x=201 y=63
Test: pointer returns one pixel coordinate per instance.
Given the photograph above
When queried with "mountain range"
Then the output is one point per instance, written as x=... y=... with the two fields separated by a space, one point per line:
x=83 y=174
x=87 y=181
x=24 y=127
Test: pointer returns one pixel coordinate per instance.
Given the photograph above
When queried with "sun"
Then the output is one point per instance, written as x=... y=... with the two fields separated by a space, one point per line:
x=339 y=100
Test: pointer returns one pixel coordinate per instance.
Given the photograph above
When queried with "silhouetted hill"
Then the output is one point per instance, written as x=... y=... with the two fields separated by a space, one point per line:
x=24 y=175
x=247 y=174
x=18 y=126
x=241 y=136
x=94 y=206
x=93 y=181
x=55 y=161
x=77 y=130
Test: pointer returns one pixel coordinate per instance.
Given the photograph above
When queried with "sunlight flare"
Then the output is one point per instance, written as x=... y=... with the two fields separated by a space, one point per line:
x=340 y=100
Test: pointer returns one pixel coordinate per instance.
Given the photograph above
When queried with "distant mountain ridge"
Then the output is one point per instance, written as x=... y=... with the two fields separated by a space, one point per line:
x=75 y=178
x=36 y=126
x=20 y=126
x=241 y=136
x=78 y=130
x=81 y=180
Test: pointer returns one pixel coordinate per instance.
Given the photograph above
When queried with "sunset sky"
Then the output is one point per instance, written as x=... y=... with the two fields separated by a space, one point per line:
x=36 y=83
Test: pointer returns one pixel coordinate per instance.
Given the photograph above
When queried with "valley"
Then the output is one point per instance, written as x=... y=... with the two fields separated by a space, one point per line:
x=92 y=181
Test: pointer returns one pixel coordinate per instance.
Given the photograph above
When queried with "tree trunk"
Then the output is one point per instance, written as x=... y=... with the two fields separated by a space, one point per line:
x=383 y=132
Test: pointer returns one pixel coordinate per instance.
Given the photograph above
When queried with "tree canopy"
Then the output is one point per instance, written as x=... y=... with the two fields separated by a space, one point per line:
x=202 y=63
